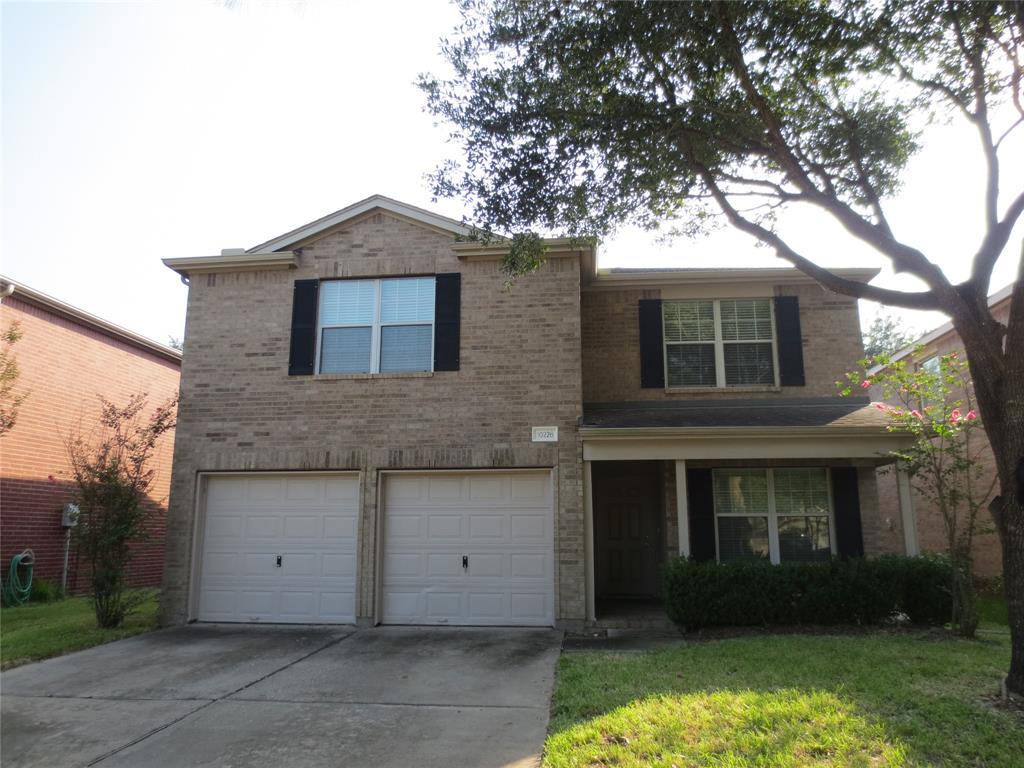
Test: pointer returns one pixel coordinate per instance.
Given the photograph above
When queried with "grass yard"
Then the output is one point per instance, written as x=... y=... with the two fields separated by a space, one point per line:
x=992 y=611
x=40 y=630
x=900 y=699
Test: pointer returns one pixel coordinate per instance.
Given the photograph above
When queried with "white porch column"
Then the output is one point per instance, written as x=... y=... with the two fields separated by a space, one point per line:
x=910 y=542
x=682 y=510
x=588 y=540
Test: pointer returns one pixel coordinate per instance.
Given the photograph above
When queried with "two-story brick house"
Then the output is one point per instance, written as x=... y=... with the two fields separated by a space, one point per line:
x=375 y=428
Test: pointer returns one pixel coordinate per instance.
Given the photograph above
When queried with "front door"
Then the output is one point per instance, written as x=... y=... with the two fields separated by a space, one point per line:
x=627 y=528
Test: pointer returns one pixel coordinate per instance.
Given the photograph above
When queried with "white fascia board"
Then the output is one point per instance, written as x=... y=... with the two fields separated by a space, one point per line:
x=233 y=262
x=555 y=247
x=307 y=231
x=613 y=280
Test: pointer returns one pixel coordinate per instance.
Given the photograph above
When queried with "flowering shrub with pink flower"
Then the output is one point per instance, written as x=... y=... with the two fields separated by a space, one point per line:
x=934 y=405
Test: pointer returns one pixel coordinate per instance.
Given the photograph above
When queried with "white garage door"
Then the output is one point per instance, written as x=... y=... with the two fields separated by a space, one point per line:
x=474 y=548
x=279 y=548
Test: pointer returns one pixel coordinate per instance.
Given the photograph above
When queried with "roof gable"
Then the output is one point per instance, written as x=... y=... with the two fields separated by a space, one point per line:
x=372 y=203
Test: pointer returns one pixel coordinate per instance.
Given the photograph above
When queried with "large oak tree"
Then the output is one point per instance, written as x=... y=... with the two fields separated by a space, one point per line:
x=580 y=117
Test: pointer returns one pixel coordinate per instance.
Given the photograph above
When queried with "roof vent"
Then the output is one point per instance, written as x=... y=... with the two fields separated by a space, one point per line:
x=232 y=251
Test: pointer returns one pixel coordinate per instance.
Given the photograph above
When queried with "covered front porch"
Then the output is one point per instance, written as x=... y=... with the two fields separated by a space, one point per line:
x=736 y=484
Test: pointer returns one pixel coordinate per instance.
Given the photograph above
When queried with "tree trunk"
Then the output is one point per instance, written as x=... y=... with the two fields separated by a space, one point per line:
x=997 y=371
x=1009 y=516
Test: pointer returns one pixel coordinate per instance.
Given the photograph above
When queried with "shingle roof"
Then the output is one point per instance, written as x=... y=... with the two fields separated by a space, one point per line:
x=851 y=413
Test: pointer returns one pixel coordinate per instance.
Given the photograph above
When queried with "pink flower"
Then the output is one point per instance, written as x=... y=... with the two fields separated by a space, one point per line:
x=865 y=384
x=897 y=412
x=955 y=417
x=916 y=414
x=882 y=406
x=972 y=415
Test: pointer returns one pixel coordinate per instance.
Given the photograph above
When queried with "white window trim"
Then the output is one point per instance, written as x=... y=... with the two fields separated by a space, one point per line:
x=719 y=345
x=375 y=327
x=772 y=514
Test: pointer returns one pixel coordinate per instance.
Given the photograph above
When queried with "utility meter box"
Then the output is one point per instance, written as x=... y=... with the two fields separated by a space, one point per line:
x=69 y=516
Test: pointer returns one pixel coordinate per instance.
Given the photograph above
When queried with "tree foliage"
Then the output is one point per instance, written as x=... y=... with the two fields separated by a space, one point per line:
x=886 y=335
x=113 y=477
x=936 y=406
x=10 y=400
x=580 y=116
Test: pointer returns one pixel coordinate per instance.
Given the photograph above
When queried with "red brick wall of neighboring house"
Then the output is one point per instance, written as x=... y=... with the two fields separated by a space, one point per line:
x=931 y=535
x=65 y=367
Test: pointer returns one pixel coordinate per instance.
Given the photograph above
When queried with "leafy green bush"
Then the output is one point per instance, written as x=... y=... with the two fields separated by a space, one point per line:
x=854 y=591
x=44 y=591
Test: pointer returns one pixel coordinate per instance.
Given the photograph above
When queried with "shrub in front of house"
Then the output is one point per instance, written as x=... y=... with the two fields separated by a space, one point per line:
x=851 y=591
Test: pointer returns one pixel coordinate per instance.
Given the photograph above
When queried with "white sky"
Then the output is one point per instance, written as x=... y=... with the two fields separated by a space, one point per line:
x=133 y=132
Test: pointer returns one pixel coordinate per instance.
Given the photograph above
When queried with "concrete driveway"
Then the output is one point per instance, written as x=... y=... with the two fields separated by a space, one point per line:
x=234 y=696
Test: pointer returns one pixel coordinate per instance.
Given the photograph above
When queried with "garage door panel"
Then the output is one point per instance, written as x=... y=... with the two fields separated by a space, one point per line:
x=486 y=527
x=487 y=488
x=250 y=521
x=445 y=488
x=528 y=526
x=444 y=526
x=338 y=565
x=442 y=605
x=432 y=522
x=264 y=489
x=441 y=564
x=303 y=527
x=337 y=527
x=263 y=527
x=529 y=606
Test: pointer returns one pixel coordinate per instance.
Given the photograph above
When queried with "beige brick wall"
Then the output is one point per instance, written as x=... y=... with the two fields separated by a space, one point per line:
x=829 y=324
x=520 y=366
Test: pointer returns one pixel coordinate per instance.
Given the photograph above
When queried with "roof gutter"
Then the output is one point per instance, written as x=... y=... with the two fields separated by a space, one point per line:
x=81 y=317
x=731 y=433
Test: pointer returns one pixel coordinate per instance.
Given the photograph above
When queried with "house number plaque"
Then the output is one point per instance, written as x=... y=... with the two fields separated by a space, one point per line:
x=545 y=434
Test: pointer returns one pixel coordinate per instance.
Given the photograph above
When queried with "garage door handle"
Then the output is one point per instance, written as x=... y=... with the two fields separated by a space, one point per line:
x=278 y=561
x=465 y=562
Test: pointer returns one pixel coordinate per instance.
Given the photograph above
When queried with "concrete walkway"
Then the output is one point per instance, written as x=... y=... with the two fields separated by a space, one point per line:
x=232 y=695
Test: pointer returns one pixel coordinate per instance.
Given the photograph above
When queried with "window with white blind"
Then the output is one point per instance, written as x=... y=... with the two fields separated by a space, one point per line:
x=780 y=515
x=719 y=343
x=376 y=326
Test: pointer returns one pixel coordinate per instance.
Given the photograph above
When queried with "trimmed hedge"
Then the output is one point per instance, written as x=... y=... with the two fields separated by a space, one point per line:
x=853 y=591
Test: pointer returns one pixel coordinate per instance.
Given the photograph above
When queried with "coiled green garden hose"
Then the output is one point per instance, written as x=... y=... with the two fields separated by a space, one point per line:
x=15 y=591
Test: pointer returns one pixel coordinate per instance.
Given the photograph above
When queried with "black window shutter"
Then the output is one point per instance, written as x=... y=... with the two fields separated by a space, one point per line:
x=302 y=351
x=791 y=345
x=447 y=312
x=846 y=498
x=652 y=348
x=701 y=502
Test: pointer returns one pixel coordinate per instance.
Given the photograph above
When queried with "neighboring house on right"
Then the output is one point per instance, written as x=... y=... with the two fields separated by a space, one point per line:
x=931 y=536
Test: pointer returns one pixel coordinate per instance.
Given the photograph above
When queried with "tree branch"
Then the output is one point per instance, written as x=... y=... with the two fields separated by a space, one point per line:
x=992 y=246
x=923 y=300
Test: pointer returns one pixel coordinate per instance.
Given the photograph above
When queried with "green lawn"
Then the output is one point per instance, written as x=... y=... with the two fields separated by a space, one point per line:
x=992 y=611
x=788 y=700
x=40 y=630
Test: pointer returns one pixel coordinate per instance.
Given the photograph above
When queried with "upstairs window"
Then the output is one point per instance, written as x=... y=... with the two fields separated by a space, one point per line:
x=780 y=515
x=376 y=326
x=719 y=343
